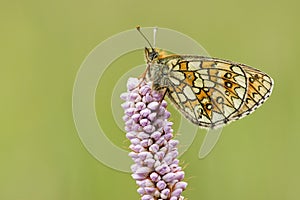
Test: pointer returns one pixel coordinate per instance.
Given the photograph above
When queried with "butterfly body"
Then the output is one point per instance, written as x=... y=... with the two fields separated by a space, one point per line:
x=209 y=92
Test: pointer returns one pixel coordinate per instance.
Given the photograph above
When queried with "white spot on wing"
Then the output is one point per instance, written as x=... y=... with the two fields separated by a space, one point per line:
x=198 y=83
x=174 y=96
x=240 y=92
x=208 y=83
x=178 y=75
x=236 y=102
x=205 y=77
x=193 y=65
x=241 y=80
x=189 y=93
x=228 y=110
x=203 y=71
x=198 y=109
x=176 y=67
x=196 y=90
x=205 y=100
x=174 y=81
x=204 y=119
x=237 y=70
x=267 y=84
x=216 y=117
x=262 y=90
x=181 y=97
x=267 y=79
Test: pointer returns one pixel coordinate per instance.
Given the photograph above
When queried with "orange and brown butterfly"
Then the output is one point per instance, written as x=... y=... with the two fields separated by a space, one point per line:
x=210 y=92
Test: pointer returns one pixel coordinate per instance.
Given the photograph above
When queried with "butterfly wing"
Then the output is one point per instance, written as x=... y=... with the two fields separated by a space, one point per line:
x=260 y=86
x=212 y=92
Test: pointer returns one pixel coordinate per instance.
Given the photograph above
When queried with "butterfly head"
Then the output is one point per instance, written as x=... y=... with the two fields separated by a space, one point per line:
x=151 y=54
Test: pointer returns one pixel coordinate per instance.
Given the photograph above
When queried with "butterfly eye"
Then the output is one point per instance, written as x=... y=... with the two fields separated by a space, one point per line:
x=153 y=55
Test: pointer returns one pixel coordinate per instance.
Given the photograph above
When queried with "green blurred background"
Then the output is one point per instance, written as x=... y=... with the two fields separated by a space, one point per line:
x=43 y=44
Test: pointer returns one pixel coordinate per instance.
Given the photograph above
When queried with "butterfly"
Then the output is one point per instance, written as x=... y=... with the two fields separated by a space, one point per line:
x=210 y=92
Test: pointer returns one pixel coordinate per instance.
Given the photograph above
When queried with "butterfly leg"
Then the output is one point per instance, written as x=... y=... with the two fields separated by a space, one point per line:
x=164 y=94
x=142 y=77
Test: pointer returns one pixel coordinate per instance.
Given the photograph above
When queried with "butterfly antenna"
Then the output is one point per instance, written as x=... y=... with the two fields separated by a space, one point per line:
x=138 y=28
x=154 y=36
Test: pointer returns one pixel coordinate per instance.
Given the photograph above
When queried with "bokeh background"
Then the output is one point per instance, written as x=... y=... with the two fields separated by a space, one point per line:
x=42 y=45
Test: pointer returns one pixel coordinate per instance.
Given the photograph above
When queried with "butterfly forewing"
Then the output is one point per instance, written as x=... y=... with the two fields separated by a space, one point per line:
x=210 y=92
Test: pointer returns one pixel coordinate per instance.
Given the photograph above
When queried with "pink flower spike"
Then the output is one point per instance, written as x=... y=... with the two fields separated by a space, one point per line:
x=153 y=105
x=176 y=192
x=140 y=105
x=141 y=190
x=154 y=177
x=154 y=151
x=147 y=197
x=161 y=185
x=165 y=193
x=145 y=112
x=181 y=185
x=132 y=83
x=124 y=96
x=169 y=177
